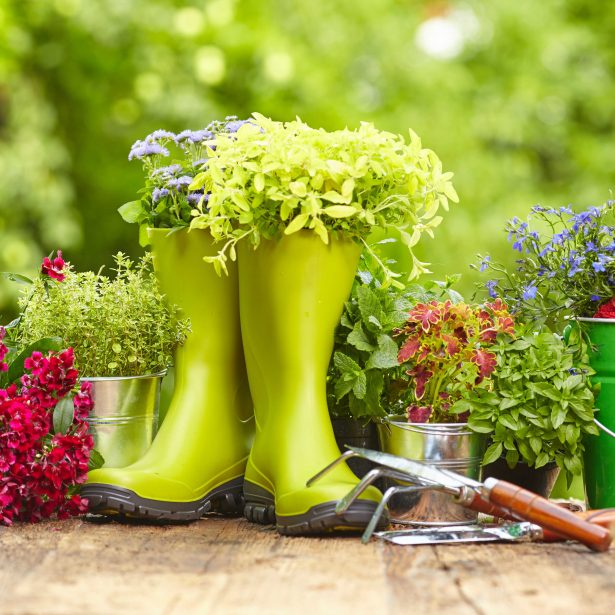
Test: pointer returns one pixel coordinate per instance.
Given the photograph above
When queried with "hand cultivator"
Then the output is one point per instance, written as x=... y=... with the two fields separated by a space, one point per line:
x=533 y=517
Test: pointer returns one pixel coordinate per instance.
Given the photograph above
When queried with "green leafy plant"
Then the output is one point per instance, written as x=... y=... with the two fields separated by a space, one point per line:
x=539 y=404
x=364 y=372
x=170 y=162
x=271 y=178
x=446 y=352
x=117 y=327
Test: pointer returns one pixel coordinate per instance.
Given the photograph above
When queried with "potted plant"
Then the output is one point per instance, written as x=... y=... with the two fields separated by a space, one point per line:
x=446 y=350
x=364 y=371
x=294 y=205
x=566 y=273
x=197 y=460
x=123 y=336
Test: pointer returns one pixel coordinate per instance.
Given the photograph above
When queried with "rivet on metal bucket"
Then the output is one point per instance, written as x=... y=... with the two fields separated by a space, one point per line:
x=125 y=416
x=450 y=446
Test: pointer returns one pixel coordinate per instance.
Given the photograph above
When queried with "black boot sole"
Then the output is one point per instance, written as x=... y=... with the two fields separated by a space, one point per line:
x=321 y=519
x=103 y=499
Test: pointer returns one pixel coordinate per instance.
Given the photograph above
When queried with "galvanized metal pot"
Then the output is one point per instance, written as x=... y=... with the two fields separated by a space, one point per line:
x=125 y=416
x=450 y=446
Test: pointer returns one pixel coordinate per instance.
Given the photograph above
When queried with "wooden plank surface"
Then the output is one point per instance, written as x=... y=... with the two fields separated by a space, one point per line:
x=229 y=566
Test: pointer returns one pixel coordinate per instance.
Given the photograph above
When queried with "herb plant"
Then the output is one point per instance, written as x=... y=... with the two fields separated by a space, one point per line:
x=117 y=327
x=364 y=372
x=539 y=404
x=272 y=178
x=170 y=162
x=447 y=351
x=566 y=268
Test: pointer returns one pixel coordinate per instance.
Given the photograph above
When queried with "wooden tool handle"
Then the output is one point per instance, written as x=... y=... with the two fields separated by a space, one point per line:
x=536 y=509
x=472 y=499
x=604 y=518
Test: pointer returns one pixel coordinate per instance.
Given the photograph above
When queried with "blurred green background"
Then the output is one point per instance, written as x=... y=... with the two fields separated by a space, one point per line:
x=517 y=98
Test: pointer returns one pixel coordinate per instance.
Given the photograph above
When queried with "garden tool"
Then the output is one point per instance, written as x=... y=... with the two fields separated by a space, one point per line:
x=494 y=497
x=292 y=293
x=197 y=460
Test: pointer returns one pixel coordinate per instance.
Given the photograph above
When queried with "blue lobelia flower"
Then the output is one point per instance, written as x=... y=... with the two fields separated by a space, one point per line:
x=490 y=285
x=529 y=292
x=485 y=263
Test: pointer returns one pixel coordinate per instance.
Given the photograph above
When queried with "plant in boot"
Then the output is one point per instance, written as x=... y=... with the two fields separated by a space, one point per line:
x=170 y=162
x=539 y=403
x=273 y=178
x=117 y=326
x=364 y=372
x=447 y=349
x=566 y=266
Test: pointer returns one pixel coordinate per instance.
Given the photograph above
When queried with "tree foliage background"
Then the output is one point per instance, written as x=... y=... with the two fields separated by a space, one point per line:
x=515 y=97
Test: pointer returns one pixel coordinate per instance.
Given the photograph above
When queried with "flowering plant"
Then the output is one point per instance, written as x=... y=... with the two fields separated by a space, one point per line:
x=45 y=447
x=364 y=372
x=119 y=326
x=567 y=267
x=447 y=350
x=272 y=178
x=170 y=162
x=539 y=403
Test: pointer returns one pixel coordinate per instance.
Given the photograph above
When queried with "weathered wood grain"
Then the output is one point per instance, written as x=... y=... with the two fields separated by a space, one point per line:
x=229 y=566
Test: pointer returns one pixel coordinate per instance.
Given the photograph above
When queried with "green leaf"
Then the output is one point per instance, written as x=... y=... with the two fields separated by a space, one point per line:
x=345 y=363
x=63 y=415
x=131 y=212
x=360 y=385
x=386 y=355
x=96 y=460
x=493 y=453
x=340 y=211
x=259 y=182
x=542 y=459
x=16 y=277
x=298 y=222
x=508 y=422
x=298 y=189
x=336 y=197
x=359 y=340
x=536 y=444
x=375 y=386
x=558 y=416
x=369 y=305
x=480 y=426
x=343 y=385
x=460 y=406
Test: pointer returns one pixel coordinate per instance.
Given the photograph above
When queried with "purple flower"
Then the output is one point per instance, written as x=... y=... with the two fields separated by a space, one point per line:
x=199 y=162
x=179 y=182
x=599 y=265
x=159 y=193
x=160 y=134
x=565 y=210
x=168 y=170
x=485 y=263
x=200 y=135
x=530 y=292
x=490 y=285
x=595 y=298
x=141 y=149
x=195 y=197
x=235 y=125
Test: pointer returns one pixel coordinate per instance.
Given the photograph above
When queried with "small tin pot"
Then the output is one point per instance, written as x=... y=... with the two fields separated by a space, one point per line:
x=125 y=416
x=449 y=446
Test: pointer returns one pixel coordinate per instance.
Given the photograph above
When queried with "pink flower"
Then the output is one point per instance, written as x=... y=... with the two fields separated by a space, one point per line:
x=606 y=310
x=54 y=269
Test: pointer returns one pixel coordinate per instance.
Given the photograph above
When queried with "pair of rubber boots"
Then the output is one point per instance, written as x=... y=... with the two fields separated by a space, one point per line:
x=227 y=447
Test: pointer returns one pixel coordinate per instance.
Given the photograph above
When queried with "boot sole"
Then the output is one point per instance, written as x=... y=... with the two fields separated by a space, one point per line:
x=321 y=519
x=227 y=499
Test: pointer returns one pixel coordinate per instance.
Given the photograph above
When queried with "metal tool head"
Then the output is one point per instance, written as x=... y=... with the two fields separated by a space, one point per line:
x=416 y=470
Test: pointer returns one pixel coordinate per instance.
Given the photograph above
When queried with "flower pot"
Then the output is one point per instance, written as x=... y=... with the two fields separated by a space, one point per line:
x=450 y=446
x=356 y=432
x=538 y=480
x=599 y=456
x=125 y=416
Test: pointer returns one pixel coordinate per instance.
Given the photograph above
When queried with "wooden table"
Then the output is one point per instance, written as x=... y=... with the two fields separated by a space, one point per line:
x=228 y=566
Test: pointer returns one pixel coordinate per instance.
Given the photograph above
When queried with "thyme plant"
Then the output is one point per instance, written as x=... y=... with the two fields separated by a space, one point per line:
x=117 y=326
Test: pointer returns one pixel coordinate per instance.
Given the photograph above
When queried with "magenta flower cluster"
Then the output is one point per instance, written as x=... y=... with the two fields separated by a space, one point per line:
x=41 y=469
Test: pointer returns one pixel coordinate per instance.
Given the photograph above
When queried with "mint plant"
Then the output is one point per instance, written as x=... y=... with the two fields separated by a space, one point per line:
x=272 y=178
x=117 y=326
x=539 y=404
x=170 y=162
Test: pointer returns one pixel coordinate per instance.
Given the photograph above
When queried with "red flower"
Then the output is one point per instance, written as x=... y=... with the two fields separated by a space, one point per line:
x=606 y=310
x=54 y=269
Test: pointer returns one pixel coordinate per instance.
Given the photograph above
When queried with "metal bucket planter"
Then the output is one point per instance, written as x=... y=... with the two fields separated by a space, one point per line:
x=125 y=416
x=599 y=457
x=450 y=446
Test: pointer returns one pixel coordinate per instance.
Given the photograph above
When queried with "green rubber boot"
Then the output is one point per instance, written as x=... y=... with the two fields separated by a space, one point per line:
x=198 y=458
x=291 y=294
